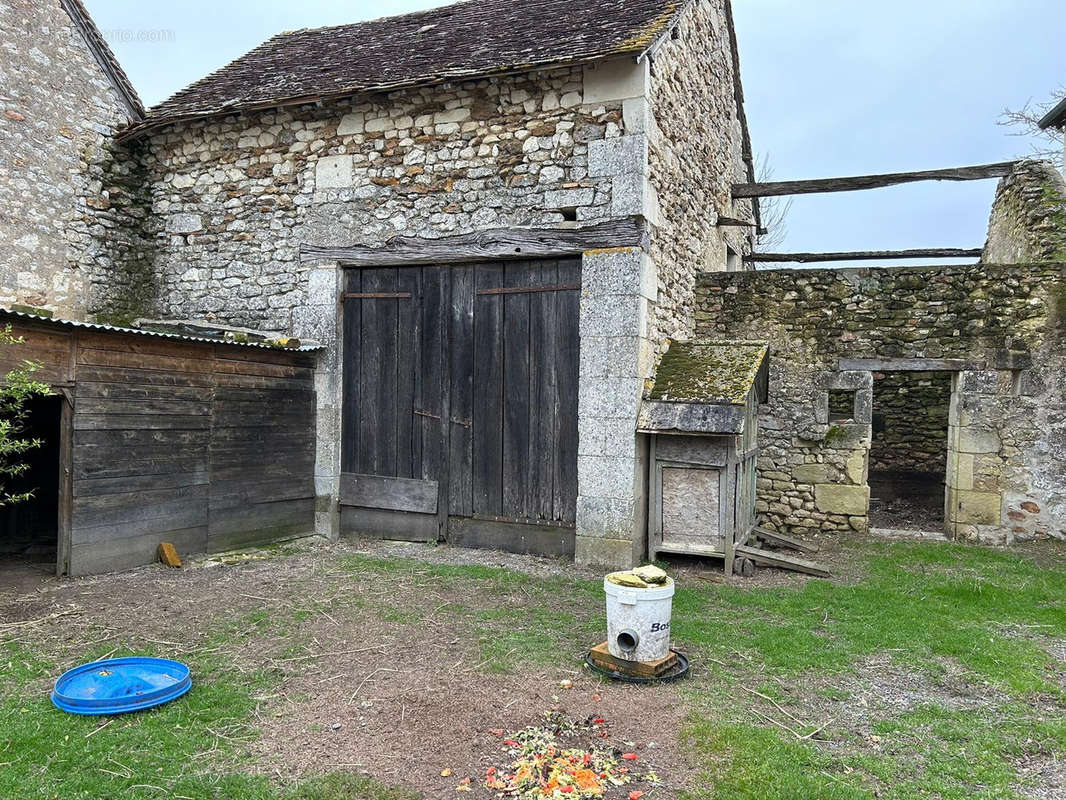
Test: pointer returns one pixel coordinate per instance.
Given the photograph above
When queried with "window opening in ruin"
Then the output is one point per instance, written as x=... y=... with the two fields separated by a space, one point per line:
x=569 y=214
x=733 y=262
x=29 y=531
x=841 y=406
x=909 y=451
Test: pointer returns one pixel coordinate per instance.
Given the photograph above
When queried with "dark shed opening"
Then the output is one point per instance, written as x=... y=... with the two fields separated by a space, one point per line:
x=29 y=531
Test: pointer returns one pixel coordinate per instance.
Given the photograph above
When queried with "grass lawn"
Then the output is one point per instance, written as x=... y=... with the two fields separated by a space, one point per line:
x=932 y=671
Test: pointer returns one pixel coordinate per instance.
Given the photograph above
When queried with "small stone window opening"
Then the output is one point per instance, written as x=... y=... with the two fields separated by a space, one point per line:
x=841 y=405
x=675 y=34
x=733 y=262
x=569 y=213
x=1016 y=387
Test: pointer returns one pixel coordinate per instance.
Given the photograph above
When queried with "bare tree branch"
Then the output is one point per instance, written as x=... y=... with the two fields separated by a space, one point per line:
x=1026 y=122
x=775 y=210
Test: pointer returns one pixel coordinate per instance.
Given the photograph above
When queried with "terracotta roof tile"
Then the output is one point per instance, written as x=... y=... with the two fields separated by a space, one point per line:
x=458 y=41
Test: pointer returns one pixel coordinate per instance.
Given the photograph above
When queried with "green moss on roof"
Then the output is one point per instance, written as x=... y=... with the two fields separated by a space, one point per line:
x=708 y=372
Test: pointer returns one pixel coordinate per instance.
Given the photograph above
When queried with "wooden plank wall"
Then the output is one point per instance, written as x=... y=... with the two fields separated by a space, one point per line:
x=206 y=446
x=262 y=448
x=142 y=430
x=51 y=349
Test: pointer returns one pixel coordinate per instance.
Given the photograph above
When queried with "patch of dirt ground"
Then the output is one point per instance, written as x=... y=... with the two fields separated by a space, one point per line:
x=400 y=700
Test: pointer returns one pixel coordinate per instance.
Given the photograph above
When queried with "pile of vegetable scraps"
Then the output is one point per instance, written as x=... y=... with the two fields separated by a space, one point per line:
x=566 y=759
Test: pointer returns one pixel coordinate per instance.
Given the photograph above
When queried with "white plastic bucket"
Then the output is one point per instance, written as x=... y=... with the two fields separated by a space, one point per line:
x=638 y=621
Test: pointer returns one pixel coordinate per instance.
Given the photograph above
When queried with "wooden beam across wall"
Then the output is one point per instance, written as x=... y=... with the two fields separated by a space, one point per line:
x=503 y=243
x=859 y=182
x=863 y=255
x=729 y=222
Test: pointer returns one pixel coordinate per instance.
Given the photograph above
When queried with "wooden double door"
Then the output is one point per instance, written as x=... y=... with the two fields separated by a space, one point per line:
x=460 y=404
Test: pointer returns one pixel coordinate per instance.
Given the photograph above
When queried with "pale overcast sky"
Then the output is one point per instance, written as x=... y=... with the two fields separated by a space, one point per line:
x=834 y=87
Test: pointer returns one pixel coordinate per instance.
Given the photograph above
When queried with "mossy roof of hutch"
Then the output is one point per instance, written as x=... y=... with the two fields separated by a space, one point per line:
x=708 y=372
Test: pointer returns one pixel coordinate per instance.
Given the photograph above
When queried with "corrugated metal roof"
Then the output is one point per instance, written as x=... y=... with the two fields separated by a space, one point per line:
x=6 y=313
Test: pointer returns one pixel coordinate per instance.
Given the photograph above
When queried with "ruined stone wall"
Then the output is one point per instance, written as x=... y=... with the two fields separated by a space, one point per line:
x=69 y=237
x=910 y=422
x=1005 y=329
x=696 y=155
x=233 y=198
x=1028 y=221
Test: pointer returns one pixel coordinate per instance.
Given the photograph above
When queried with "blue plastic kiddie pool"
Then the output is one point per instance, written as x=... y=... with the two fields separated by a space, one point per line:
x=121 y=685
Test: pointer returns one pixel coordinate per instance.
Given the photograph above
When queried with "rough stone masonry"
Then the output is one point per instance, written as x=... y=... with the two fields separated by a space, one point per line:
x=74 y=201
x=998 y=329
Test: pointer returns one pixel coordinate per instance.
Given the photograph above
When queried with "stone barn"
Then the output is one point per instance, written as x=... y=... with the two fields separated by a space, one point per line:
x=491 y=216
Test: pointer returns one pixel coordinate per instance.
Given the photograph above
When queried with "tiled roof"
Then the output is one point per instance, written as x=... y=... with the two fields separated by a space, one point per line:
x=465 y=40
x=104 y=57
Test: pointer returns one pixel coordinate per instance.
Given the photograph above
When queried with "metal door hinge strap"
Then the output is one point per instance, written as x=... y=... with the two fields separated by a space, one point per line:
x=376 y=296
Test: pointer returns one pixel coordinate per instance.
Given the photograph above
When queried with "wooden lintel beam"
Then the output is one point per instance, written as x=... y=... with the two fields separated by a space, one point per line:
x=730 y=222
x=859 y=182
x=864 y=255
x=487 y=245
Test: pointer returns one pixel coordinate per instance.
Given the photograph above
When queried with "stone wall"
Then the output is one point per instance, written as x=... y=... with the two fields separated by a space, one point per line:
x=696 y=155
x=910 y=422
x=999 y=329
x=69 y=238
x=1028 y=221
x=233 y=198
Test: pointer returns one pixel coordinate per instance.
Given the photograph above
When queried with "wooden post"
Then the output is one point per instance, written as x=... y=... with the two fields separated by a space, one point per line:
x=66 y=481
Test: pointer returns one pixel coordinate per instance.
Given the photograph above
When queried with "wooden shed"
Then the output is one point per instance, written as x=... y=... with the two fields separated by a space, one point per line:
x=155 y=437
x=701 y=412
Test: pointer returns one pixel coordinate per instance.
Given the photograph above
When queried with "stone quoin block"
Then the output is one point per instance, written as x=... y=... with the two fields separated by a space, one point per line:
x=810 y=473
x=607 y=476
x=977 y=440
x=605 y=517
x=960 y=471
x=621 y=156
x=851 y=501
x=608 y=554
x=639 y=117
x=975 y=508
x=627 y=271
x=856 y=466
x=614 y=315
x=632 y=195
x=569 y=198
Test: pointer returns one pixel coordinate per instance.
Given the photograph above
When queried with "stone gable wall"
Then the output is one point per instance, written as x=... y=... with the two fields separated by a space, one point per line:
x=232 y=199
x=69 y=237
x=1028 y=221
x=1006 y=478
x=696 y=155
